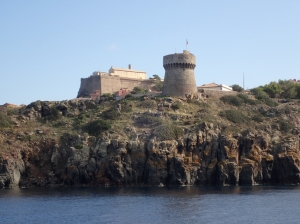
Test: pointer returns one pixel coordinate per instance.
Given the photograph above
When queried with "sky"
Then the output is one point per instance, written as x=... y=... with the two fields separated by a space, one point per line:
x=47 y=46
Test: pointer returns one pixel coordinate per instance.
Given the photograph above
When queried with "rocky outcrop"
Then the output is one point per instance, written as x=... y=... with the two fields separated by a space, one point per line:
x=53 y=109
x=203 y=157
x=11 y=168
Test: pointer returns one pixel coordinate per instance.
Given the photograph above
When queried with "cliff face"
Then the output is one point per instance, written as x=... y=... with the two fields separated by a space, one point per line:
x=202 y=158
x=203 y=154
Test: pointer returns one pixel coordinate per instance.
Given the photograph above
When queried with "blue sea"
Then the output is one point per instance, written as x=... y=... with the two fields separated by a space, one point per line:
x=151 y=205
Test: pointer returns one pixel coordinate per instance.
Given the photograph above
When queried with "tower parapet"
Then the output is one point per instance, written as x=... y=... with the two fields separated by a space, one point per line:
x=179 y=74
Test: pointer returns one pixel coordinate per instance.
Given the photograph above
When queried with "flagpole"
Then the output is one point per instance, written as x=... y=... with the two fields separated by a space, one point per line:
x=186 y=43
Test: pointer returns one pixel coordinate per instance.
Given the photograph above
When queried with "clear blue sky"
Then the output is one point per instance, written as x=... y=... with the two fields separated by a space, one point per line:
x=47 y=46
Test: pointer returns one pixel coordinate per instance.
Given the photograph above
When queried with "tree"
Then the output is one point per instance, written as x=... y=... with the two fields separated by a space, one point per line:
x=273 y=89
x=237 y=88
x=137 y=90
x=158 y=86
x=261 y=95
x=289 y=89
x=96 y=127
x=158 y=83
x=156 y=77
x=258 y=92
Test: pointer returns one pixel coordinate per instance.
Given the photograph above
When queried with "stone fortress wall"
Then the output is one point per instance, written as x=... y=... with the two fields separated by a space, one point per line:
x=179 y=74
x=113 y=81
x=88 y=85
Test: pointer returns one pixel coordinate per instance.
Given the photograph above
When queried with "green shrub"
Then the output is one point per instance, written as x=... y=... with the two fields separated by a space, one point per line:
x=158 y=85
x=263 y=97
x=90 y=105
x=5 y=121
x=258 y=118
x=147 y=104
x=78 y=146
x=204 y=110
x=208 y=117
x=176 y=106
x=234 y=116
x=138 y=90
x=109 y=96
x=148 y=120
x=128 y=96
x=189 y=122
x=126 y=105
x=287 y=110
x=284 y=126
x=246 y=99
x=233 y=100
x=237 y=88
x=111 y=114
x=69 y=139
x=168 y=131
x=267 y=100
x=55 y=114
x=203 y=105
x=10 y=111
x=96 y=127
x=81 y=116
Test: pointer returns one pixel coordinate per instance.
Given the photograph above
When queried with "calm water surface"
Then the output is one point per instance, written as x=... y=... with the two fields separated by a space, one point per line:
x=151 y=205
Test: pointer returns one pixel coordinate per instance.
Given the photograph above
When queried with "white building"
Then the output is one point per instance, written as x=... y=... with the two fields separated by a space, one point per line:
x=214 y=86
x=123 y=72
x=127 y=73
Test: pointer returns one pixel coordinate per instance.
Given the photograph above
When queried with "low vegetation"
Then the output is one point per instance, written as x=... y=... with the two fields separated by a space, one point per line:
x=284 y=89
x=168 y=131
x=164 y=117
x=108 y=96
x=5 y=121
x=234 y=116
x=238 y=100
x=263 y=97
x=233 y=100
x=284 y=126
x=138 y=90
x=96 y=127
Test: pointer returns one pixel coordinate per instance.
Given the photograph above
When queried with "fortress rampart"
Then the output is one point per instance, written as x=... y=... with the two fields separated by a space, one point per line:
x=179 y=74
x=109 y=84
x=88 y=85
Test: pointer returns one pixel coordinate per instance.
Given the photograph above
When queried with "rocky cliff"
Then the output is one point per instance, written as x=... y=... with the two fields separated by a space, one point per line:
x=149 y=141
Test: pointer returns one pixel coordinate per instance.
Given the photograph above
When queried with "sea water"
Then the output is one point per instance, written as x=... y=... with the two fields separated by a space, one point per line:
x=151 y=205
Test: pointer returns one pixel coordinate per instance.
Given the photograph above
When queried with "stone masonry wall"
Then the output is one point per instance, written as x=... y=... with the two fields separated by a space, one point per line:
x=89 y=85
x=178 y=82
x=179 y=74
x=109 y=84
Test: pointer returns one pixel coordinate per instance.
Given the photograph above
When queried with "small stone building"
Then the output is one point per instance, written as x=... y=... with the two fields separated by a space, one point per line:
x=95 y=95
x=122 y=93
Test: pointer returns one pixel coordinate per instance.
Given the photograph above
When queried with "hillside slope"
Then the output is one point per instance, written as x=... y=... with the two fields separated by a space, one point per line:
x=151 y=140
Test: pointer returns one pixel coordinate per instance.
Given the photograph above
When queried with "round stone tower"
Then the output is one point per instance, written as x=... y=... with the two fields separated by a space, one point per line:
x=179 y=74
